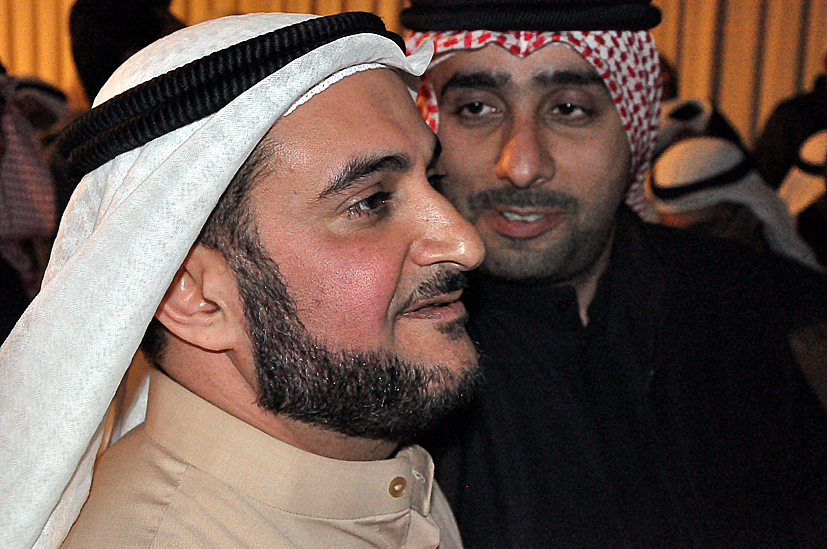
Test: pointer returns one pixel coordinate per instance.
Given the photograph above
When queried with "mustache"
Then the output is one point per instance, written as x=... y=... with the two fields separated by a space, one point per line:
x=445 y=281
x=522 y=198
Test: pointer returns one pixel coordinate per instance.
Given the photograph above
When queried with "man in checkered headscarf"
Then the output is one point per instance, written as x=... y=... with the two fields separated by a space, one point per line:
x=641 y=382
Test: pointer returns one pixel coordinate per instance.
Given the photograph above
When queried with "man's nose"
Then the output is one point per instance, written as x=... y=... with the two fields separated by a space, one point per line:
x=445 y=236
x=524 y=159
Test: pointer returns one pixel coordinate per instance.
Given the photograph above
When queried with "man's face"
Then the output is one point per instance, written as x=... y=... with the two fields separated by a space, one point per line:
x=368 y=251
x=535 y=156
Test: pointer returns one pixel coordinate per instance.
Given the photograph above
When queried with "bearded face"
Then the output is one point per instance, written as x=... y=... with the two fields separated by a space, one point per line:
x=369 y=393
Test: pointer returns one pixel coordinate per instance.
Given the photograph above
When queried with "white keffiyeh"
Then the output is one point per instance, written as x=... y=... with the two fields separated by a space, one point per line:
x=126 y=231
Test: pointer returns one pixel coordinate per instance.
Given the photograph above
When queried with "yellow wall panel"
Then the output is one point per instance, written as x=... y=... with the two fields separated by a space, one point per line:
x=359 y=5
x=6 y=34
x=180 y=9
x=667 y=34
x=47 y=13
x=782 y=47
x=389 y=10
x=221 y=8
x=739 y=84
x=816 y=32
x=199 y=11
x=328 y=7
x=257 y=6
x=23 y=56
x=698 y=48
x=299 y=6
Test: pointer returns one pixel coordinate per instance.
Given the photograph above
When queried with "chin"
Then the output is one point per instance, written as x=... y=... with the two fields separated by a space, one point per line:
x=456 y=356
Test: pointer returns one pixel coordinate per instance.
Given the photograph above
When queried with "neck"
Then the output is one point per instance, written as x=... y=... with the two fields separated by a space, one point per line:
x=330 y=444
x=215 y=378
x=585 y=284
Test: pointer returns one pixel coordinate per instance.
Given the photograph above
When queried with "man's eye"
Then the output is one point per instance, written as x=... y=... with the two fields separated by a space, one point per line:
x=571 y=110
x=372 y=205
x=475 y=108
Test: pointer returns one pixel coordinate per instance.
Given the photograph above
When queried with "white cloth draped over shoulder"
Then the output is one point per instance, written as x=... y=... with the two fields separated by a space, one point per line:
x=126 y=231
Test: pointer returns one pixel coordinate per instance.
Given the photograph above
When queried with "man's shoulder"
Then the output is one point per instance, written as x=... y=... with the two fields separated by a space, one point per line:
x=702 y=265
x=135 y=481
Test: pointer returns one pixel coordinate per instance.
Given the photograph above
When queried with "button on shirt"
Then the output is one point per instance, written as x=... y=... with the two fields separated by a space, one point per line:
x=195 y=476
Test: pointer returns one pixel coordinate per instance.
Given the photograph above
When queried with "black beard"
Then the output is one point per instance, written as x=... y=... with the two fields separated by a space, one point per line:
x=366 y=394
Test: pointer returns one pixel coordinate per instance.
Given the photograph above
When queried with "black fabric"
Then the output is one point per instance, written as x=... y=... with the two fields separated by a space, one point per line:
x=809 y=167
x=105 y=33
x=677 y=418
x=196 y=90
x=537 y=15
x=812 y=227
x=787 y=128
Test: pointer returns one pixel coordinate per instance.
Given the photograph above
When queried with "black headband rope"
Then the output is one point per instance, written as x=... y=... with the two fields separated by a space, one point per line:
x=732 y=175
x=535 y=15
x=196 y=90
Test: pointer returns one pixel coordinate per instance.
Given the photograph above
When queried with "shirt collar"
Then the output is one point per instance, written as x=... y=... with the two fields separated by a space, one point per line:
x=277 y=473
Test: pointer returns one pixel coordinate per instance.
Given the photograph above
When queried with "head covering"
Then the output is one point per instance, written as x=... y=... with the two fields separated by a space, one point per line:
x=805 y=182
x=538 y=15
x=699 y=172
x=169 y=131
x=681 y=118
x=607 y=34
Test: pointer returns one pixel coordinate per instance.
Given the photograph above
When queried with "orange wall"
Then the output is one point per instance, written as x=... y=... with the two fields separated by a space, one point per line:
x=744 y=55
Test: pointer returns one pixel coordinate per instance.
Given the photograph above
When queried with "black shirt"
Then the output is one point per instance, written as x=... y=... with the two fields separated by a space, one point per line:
x=674 y=419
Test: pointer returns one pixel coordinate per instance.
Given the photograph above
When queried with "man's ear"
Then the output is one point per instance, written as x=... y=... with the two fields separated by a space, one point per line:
x=202 y=305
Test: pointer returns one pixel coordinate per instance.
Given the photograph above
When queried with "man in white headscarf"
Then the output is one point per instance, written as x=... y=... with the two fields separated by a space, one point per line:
x=261 y=186
x=640 y=383
x=706 y=183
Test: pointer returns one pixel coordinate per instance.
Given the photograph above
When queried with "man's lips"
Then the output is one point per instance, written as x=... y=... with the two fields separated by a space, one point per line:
x=515 y=222
x=445 y=308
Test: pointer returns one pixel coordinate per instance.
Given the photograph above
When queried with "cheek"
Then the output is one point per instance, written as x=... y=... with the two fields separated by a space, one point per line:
x=468 y=163
x=467 y=153
x=344 y=294
x=602 y=162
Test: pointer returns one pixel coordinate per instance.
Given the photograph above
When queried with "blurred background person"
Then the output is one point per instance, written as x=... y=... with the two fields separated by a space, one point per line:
x=787 y=128
x=27 y=197
x=709 y=184
x=805 y=192
x=105 y=33
x=685 y=117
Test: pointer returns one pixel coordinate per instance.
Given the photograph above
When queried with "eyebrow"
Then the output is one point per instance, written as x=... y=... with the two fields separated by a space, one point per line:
x=574 y=77
x=499 y=80
x=360 y=168
x=478 y=80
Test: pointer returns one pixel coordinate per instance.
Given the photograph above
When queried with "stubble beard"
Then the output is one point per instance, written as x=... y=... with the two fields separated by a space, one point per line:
x=368 y=394
x=572 y=253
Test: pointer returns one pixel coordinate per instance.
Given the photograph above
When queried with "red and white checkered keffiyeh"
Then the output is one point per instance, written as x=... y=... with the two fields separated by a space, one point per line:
x=627 y=61
x=27 y=196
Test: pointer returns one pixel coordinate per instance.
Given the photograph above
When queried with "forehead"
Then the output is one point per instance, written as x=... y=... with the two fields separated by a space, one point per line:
x=549 y=62
x=345 y=108
x=367 y=114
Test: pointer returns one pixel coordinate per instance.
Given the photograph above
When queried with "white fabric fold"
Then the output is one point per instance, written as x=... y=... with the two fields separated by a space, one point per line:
x=123 y=236
x=700 y=158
